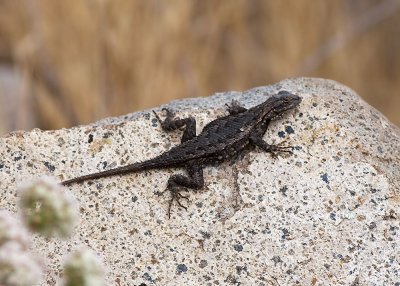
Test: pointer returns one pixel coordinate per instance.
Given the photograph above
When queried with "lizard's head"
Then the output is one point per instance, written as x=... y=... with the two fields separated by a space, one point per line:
x=285 y=100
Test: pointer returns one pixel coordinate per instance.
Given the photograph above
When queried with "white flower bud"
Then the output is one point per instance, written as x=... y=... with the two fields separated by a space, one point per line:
x=48 y=209
x=83 y=268
x=17 y=266
x=12 y=230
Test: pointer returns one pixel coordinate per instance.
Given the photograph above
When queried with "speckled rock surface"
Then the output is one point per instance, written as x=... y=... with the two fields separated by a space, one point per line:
x=327 y=215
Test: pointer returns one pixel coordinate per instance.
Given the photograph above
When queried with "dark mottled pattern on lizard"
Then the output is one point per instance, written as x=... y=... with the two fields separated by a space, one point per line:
x=220 y=140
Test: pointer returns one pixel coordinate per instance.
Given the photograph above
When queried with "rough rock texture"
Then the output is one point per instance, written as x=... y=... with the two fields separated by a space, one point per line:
x=327 y=215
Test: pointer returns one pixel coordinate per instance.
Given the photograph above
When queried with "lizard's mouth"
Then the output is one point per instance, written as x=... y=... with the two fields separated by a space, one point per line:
x=295 y=101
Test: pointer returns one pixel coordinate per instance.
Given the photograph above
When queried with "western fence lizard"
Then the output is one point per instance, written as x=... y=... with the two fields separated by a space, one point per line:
x=220 y=140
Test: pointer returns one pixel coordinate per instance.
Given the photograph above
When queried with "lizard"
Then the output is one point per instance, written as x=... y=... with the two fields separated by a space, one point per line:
x=220 y=140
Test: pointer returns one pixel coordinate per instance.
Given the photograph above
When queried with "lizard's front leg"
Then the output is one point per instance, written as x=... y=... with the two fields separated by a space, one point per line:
x=256 y=139
x=194 y=181
x=235 y=108
x=170 y=123
x=273 y=149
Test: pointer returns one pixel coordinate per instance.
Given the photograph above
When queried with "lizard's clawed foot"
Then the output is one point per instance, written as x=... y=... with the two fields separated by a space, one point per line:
x=235 y=107
x=177 y=196
x=278 y=148
x=170 y=122
x=169 y=114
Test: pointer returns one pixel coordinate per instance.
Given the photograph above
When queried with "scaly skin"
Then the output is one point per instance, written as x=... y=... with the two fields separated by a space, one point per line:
x=219 y=140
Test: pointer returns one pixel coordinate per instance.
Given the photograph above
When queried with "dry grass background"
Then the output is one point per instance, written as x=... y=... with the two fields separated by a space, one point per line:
x=79 y=61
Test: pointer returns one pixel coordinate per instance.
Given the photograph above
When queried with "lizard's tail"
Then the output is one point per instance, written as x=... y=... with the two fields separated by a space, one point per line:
x=132 y=168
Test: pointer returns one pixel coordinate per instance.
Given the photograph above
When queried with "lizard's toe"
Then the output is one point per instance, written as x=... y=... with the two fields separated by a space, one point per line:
x=177 y=196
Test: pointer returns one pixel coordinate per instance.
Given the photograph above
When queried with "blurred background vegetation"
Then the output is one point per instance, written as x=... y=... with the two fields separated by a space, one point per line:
x=64 y=63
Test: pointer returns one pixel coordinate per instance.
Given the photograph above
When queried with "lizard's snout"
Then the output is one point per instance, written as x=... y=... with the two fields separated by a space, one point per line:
x=288 y=100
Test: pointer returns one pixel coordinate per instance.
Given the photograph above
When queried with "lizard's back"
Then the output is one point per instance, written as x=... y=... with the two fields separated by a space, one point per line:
x=219 y=139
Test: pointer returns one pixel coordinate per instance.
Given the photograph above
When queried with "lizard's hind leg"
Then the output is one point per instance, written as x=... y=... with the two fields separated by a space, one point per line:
x=170 y=123
x=178 y=183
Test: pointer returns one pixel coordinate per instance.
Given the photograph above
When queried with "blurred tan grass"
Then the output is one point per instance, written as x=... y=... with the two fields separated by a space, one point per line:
x=84 y=60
